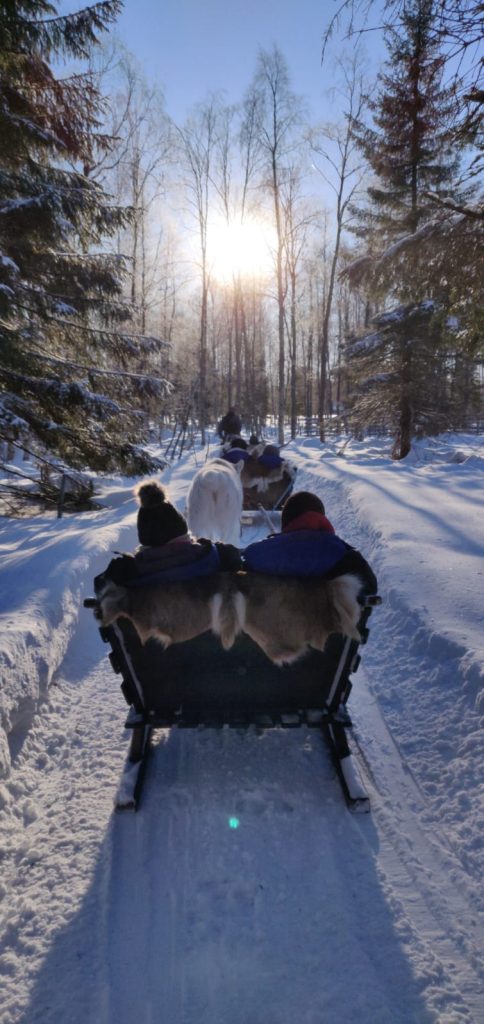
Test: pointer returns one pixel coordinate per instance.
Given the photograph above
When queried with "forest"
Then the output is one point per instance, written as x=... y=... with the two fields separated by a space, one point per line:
x=322 y=277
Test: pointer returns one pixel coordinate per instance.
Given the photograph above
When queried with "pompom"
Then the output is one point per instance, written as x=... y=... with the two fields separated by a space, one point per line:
x=150 y=494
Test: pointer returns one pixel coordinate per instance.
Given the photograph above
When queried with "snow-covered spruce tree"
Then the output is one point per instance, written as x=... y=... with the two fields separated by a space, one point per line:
x=457 y=30
x=408 y=152
x=72 y=377
x=424 y=384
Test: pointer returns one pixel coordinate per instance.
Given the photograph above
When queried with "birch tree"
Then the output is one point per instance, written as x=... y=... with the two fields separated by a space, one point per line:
x=198 y=139
x=337 y=160
x=277 y=122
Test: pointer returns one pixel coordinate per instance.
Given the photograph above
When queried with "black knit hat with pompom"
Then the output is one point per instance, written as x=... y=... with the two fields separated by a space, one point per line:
x=298 y=504
x=158 y=520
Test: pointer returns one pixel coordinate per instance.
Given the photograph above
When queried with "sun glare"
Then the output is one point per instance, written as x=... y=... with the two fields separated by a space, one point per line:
x=239 y=249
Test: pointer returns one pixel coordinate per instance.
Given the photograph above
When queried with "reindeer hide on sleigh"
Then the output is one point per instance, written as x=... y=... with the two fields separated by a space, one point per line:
x=283 y=615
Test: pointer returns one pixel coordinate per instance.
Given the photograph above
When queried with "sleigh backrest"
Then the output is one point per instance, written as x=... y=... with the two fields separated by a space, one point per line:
x=196 y=681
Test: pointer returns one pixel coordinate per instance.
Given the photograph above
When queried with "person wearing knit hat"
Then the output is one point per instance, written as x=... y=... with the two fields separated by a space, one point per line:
x=158 y=520
x=167 y=550
x=236 y=450
x=307 y=546
x=304 y=511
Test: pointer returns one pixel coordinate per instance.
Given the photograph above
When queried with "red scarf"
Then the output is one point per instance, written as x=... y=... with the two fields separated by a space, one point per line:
x=309 y=521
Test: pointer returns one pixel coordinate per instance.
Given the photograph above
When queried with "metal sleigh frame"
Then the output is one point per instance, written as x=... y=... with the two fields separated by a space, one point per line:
x=254 y=509
x=197 y=684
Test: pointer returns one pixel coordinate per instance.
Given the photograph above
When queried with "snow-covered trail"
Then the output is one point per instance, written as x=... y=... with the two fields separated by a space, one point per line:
x=303 y=912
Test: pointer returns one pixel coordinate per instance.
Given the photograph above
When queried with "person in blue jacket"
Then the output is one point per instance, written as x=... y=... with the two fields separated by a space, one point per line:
x=270 y=457
x=236 y=451
x=307 y=546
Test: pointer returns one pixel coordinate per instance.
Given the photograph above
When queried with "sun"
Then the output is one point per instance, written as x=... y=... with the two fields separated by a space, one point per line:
x=239 y=249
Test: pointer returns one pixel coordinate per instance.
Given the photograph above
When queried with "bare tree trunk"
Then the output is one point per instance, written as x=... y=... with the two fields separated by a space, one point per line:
x=293 y=349
x=280 y=308
x=309 y=382
x=143 y=297
x=198 y=139
x=327 y=318
x=202 y=398
x=230 y=373
x=134 y=247
x=274 y=115
x=344 y=171
x=238 y=347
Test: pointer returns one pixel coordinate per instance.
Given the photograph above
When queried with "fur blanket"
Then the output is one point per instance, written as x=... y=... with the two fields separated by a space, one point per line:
x=173 y=612
x=283 y=615
x=286 y=615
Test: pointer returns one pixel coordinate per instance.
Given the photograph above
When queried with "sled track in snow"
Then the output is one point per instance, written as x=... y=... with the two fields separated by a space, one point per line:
x=425 y=873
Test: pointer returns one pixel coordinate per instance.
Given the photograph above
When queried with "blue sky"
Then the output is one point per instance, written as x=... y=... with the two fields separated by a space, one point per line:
x=194 y=47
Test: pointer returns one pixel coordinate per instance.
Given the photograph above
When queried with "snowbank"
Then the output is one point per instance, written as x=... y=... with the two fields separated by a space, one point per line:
x=47 y=568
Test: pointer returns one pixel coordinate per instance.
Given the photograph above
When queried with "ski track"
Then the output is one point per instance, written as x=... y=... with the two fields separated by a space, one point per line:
x=303 y=913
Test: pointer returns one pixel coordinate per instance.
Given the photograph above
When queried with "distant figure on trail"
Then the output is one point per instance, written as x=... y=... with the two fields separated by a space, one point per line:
x=230 y=425
x=167 y=550
x=308 y=546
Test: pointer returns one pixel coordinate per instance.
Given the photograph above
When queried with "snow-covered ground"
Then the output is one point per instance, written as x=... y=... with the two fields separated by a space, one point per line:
x=304 y=913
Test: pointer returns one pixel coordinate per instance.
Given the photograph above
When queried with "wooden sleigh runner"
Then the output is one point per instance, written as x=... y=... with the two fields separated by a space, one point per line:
x=234 y=672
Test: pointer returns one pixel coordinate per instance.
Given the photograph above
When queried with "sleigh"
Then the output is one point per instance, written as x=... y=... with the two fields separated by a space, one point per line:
x=265 y=496
x=197 y=684
x=270 y=497
x=267 y=479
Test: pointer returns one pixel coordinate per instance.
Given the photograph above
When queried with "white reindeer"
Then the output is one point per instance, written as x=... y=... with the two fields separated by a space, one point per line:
x=214 y=502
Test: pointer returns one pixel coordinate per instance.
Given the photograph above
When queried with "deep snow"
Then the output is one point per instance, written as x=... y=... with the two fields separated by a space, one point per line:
x=303 y=913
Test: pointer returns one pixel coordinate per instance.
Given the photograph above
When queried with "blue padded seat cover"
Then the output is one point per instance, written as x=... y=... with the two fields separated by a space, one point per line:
x=296 y=553
x=205 y=566
x=236 y=455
